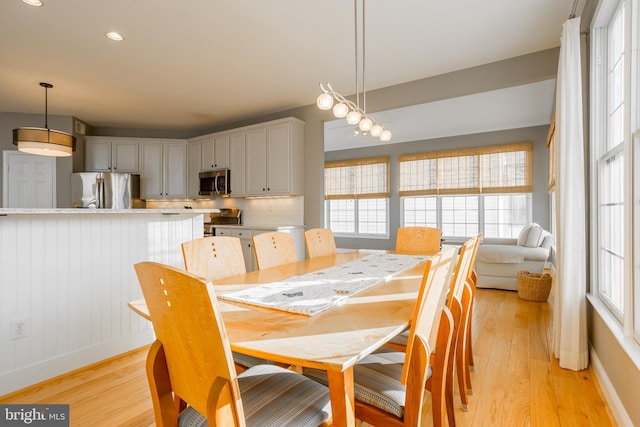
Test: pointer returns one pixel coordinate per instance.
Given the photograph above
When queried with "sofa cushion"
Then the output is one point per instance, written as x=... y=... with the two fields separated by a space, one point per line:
x=531 y=236
x=510 y=254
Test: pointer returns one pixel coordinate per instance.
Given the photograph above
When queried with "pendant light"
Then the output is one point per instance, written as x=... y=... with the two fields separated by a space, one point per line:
x=351 y=111
x=44 y=141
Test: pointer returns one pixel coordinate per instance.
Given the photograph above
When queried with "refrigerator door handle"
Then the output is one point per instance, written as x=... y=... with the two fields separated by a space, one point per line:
x=100 y=192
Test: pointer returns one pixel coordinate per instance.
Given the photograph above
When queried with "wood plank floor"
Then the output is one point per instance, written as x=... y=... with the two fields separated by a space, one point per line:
x=516 y=382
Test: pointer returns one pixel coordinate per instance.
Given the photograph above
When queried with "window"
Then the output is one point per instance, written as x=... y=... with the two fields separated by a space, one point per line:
x=357 y=197
x=615 y=145
x=464 y=192
x=609 y=153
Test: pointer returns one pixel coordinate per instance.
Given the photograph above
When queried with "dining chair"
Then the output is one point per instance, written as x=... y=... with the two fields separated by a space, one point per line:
x=319 y=242
x=274 y=249
x=190 y=368
x=216 y=258
x=465 y=292
x=458 y=303
x=389 y=386
x=418 y=240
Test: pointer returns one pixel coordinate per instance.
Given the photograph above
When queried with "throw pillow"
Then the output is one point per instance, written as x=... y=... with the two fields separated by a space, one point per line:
x=531 y=236
x=522 y=237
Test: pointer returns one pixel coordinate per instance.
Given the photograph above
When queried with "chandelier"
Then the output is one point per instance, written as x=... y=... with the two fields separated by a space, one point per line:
x=44 y=141
x=347 y=109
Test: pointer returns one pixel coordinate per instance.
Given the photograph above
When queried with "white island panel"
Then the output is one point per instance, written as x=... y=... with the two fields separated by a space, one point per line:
x=70 y=275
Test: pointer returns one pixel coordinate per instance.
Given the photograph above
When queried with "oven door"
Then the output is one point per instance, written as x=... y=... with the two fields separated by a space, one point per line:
x=208 y=182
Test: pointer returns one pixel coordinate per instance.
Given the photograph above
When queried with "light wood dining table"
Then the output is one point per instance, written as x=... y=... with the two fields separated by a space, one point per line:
x=333 y=340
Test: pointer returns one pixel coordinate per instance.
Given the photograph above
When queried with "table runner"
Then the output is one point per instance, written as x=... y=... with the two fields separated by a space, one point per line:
x=315 y=292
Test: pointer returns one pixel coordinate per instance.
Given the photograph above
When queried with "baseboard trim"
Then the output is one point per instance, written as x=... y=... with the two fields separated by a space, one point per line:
x=33 y=374
x=610 y=395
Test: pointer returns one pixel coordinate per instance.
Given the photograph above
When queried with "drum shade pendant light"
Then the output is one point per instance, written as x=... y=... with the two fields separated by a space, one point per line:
x=44 y=141
x=349 y=110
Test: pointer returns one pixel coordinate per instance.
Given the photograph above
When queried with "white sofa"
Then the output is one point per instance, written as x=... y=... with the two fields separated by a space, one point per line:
x=499 y=260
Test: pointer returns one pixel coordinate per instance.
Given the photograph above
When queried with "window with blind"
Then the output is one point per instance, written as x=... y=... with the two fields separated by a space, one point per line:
x=357 y=197
x=463 y=192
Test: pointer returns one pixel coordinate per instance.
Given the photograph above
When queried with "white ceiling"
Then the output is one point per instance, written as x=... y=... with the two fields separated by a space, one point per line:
x=188 y=65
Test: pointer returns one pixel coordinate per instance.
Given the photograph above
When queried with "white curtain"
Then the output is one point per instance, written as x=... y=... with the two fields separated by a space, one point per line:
x=570 y=344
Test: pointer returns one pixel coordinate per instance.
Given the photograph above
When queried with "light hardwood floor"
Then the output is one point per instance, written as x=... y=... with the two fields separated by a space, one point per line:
x=516 y=382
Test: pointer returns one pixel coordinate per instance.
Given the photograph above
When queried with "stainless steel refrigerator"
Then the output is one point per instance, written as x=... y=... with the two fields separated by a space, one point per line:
x=105 y=190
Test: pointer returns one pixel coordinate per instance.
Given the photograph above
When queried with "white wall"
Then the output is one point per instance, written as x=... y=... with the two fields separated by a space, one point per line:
x=71 y=276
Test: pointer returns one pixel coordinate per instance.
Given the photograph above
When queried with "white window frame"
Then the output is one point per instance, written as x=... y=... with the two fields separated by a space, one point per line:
x=357 y=234
x=481 y=211
x=628 y=321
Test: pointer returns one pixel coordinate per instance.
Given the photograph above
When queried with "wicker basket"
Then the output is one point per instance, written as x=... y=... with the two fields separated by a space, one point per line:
x=534 y=286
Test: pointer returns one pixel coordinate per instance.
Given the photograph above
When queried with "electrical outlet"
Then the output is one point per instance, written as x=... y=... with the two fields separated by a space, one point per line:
x=18 y=328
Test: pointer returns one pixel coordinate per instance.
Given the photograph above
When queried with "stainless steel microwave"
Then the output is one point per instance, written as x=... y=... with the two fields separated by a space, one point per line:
x=215 y=183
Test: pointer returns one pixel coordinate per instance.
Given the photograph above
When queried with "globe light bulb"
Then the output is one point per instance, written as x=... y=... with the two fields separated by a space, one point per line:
x=385 y=136
x=376 y=130
x=365 y=124
x=325 y=101
x=353 y=118
x=340 y=110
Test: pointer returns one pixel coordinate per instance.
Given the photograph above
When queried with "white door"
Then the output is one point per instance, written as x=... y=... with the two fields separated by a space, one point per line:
x=29 y=181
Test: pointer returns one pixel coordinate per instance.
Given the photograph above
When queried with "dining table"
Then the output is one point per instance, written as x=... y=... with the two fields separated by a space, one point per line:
x=334 y=339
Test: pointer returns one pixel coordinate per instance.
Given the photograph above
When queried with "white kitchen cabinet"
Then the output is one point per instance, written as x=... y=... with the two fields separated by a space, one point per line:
x=275 y=158
x=237 y=163
x=193 y=165
x=108 y=154
x=163 y=170
x=215 y=151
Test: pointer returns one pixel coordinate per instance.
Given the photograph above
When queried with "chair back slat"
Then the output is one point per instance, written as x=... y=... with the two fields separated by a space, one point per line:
x=214 y=257
x=320 y=242
x=418 y=240
x=274 y=249
x=187 y=322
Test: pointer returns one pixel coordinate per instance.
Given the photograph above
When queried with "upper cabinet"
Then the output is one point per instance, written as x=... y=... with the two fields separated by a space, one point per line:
x=237 y=163
x=108 y=154
x=163 y=167
x=275 y=158
x=215 y=152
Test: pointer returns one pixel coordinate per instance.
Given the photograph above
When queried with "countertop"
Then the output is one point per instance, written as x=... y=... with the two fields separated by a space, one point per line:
x=103 y=211
x=254 y=226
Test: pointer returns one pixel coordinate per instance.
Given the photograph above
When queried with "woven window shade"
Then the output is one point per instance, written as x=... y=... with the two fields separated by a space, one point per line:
x=357 y=179
x=495 y=169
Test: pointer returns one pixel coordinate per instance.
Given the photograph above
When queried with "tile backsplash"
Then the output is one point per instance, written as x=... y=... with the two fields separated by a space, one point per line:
x=267 y=211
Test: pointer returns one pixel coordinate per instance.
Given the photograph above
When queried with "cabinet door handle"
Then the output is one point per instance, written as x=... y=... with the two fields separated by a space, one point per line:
x=263 y=189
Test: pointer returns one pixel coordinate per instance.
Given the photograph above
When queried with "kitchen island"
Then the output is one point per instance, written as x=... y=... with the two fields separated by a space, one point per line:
x=66 y=276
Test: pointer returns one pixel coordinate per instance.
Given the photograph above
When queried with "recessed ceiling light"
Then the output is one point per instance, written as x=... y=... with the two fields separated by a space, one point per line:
x=33 y=2
x=112 y=35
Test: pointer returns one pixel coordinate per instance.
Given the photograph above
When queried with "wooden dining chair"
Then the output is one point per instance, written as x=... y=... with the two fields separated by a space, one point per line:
x=465 y=292
x=458 y=303
x=389 y=386
x=274 y=249
x=190 y=368
x=216 y=258
x=418 y=240
x=319 y=242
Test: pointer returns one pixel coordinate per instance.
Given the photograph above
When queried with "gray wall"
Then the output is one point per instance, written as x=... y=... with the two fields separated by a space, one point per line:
x=537 y=135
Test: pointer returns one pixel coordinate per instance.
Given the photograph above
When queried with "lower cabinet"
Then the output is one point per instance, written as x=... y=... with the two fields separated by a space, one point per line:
x=245 y=233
